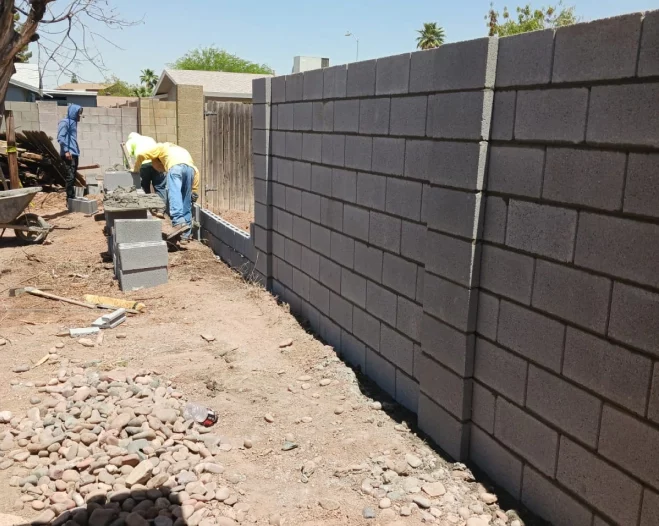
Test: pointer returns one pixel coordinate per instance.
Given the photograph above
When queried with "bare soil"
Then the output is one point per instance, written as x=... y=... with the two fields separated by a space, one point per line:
x=242 y=374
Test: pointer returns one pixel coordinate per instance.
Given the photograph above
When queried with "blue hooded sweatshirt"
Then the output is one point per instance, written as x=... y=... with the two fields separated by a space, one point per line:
x=67 y=131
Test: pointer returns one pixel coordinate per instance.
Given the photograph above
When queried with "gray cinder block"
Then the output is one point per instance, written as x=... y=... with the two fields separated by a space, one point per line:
x=331 y=213
x=366 y=328
x=461 y=115
x=278 y=139
x=413 y=241
x=353 y=287
x=321 y=180
x=334 y=149
x=294 y=87
x=278 y=89
x=341 y=311
x=507 y=273
x=392 y=75
x=342 y=249
x=83 y=206
x=641 y=188
x=397 y=349
x=399 y=275
x=361 y=78
x=542 y=229
x=501 y=370
x=599 y=50
x=311 y=206
x=381 y=303
x=335 y=82
x=330 y=274
x=94 y=189
x=452 y=258
x=262 y=90
x=285 y=117
x=404 y=198
x=556 y=115
x=371 y=190
x=344 y=184
x=145 y=278
x=303 y=116
x=516 y=170
x=384 y=231
x=368 y=261
x=648 y=60
x=388 y=155
x=358 y=151
x=624 y=115
x=408 y=116
x=503 y=115
x=311 y=147
x=451 y=211
x=346 y=115
x=112 y=180
x=407 y=391
x=261 y=117
x=139 y=256
x=355 y=222
x=374 y=116
x=525 y=59
x=443 y=68
x=137 y=230
x=313 y=84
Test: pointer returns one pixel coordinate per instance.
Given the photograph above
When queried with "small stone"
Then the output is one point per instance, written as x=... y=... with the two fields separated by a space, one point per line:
x=488 y=498
x=329 y=504
x=476 y=521
x=3 y=342
x=59 y=345
x=368 y=513
x=5 y=417
x=339 y=410
x=413 y=460
x=134 y=519
x=285 y=343
x=140 y=473
x=34 y=400
x=247 y=443
x=86 y=342
x=37 y=505
x=434 y=489
x=422 y=502
x=269 y=418
x=288 y=446
x=325 y=381
x=222 y=494
x=208 y=337
x=405 y=511
x=385 y=503
x=23 y=368
x=165 y=414
x=376 y=406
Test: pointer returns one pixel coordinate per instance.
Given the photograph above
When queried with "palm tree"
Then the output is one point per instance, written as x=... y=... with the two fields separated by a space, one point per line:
x=148 y=78
x=431 y=36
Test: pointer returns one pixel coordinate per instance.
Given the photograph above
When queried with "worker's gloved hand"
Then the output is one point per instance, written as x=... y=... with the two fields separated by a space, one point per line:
x=194 y=197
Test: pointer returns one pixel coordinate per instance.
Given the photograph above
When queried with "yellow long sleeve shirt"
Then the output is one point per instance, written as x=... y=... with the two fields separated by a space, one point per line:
x=169 y=155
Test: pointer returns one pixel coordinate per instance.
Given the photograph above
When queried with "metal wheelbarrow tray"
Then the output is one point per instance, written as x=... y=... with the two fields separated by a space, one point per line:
x=29 y=228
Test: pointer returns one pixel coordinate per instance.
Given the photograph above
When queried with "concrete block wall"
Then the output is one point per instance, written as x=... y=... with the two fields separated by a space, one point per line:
x=565 y=395
x=26 y=116
x=232 y=244
x=157 y=119
x=476 y=227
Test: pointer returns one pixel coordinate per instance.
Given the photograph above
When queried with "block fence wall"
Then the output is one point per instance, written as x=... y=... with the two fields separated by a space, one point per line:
x=477 y=228
x=102 y=130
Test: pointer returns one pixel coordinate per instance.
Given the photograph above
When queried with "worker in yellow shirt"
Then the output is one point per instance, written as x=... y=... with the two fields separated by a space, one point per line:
x=150 y=174
x=182 y=181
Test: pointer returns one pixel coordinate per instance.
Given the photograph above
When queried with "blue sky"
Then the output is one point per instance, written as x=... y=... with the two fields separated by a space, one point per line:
x=273 y=32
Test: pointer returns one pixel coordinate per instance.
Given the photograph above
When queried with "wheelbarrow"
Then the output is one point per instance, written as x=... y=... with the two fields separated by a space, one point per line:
x=29 y=228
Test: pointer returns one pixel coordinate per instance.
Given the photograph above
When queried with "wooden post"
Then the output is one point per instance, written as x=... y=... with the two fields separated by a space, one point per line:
x=12 y=155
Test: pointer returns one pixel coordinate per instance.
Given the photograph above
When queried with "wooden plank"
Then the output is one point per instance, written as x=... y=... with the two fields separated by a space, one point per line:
x=12 y=155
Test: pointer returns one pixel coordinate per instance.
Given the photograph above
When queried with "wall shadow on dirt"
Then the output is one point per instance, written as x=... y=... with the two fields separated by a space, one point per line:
x=401 y=415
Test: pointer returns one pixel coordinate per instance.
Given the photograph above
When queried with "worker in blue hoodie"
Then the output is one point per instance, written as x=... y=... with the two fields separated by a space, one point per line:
x=67 y=137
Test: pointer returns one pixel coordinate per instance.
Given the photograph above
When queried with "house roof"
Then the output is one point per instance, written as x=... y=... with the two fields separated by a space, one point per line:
x=27 y=74
x=65 y=92
x=82 y=86
x=215 y=83
x=24 y=86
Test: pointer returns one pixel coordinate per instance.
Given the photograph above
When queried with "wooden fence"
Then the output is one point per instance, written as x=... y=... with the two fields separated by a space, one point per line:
x=228 y=180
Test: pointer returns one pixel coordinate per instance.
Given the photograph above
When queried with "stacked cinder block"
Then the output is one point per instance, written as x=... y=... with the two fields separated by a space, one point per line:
x=566 y=391
x=94 y=185
x=477 y=227
x=112 y=180
x=26 y=116
x=158 y=120
x=140 y=254
x=101 y=132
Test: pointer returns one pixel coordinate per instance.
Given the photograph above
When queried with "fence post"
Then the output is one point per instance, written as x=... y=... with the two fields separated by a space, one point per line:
x=12 y=155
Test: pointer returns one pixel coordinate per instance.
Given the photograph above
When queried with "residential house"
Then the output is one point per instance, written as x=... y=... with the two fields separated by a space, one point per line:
x=217 y=85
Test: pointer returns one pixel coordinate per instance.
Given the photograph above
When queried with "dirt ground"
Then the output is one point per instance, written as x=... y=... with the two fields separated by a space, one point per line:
x=242 y=374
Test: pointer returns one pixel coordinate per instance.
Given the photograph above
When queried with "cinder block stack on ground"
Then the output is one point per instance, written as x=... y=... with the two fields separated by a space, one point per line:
x=139 y=253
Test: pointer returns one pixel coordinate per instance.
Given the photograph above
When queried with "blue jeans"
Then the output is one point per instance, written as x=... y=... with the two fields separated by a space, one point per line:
x=179 y=192
x=150 y=176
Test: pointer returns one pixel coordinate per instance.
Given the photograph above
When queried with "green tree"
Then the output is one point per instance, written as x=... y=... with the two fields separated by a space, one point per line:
x=117 y=88
x=529 y=19
x=141 y=91
x=431 y=36
x=74 y=78
x=214 y=59
x=149 y=79
x=23 y=55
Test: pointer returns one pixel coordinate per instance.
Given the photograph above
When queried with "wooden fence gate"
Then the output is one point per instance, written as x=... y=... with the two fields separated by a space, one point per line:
x=228 y=180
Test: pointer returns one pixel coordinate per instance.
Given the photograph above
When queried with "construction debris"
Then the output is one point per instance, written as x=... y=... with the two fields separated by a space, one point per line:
x=112 y=320
x=83 y=331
